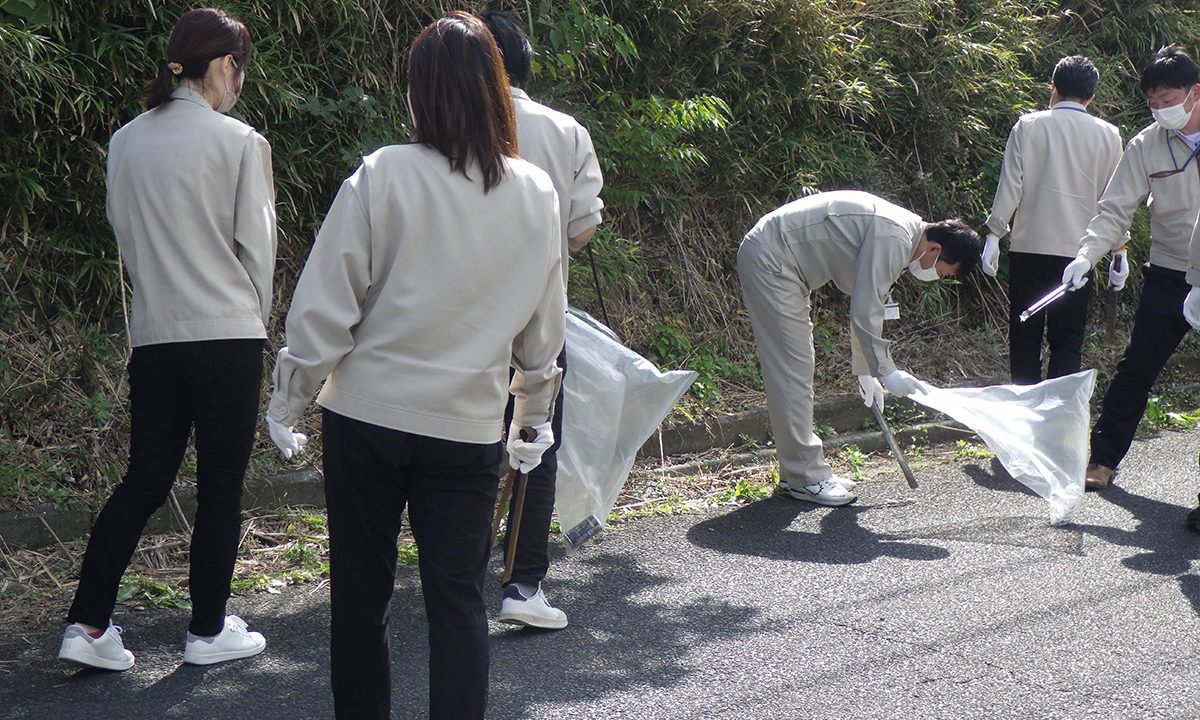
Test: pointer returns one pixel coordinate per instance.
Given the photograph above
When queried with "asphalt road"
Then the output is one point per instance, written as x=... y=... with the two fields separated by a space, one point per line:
x=956 y=600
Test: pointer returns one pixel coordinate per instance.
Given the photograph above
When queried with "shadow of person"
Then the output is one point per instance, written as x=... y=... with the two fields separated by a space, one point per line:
x=764 y=529
x=1159 y=533
x=996 y=477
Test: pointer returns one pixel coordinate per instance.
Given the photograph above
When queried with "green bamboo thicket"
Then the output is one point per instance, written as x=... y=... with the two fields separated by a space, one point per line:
x=705 y=115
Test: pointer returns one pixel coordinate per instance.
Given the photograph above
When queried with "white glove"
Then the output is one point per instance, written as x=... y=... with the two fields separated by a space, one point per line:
x=1191 y=307
x=989 y=259
x=527 y=454
x=871 y=391
x=1076 y=272
x=289 y=443
x=1118 y=270
x=901 y=384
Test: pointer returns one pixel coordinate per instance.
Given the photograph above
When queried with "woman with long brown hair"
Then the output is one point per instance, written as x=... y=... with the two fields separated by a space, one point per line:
x=438 y=265
x=191 y=202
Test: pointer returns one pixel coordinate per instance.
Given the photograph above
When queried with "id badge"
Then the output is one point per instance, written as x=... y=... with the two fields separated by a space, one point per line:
x=891 y=311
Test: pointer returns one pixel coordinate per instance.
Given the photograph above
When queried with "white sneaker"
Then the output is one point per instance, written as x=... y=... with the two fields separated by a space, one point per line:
x=526 y=605
x=106 y=652
x=826 y=492
x=843 y=481
x=233 y=643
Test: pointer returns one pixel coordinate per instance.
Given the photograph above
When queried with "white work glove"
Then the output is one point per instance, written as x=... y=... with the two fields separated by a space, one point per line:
x=871 y=391
x=1191 y=307
x=1075 y=274
x=1118 y=270
x=989 y=259
x=901 y=384
x=525 y=455
x=289 y=443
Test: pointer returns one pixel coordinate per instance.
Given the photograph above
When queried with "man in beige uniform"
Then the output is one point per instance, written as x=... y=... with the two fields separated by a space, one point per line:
x=1159 y=166
x=861 y=243
x=1056 y=165
x=556 y=143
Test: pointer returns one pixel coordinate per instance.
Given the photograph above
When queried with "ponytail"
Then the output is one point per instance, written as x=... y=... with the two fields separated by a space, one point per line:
x=199 y=37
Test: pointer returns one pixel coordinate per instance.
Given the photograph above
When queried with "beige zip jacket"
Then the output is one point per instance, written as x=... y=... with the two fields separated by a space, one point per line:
x=1173 y=202
x=192 y=203
x=859 y=242
x=1056 y=165
x=558 y=144
x=418 y=293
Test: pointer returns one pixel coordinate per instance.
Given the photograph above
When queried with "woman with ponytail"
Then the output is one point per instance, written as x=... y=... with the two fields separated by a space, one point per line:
x=192 y=204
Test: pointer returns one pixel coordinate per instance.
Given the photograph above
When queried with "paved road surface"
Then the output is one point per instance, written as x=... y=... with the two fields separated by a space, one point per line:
x=953 y=601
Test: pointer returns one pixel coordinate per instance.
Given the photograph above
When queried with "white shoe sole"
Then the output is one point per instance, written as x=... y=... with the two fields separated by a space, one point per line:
x=831 y=502
x=534 y=621
x=212 y=658
x=78 y=657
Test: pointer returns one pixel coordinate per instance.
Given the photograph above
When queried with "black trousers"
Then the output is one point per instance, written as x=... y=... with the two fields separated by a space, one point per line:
x=531 y=561
x=214 y=386
x=371 y=474
x=1158 y=328
x=1030 y=278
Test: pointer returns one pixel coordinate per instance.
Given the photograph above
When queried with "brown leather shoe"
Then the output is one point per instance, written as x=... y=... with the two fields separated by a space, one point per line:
x=1097 y=477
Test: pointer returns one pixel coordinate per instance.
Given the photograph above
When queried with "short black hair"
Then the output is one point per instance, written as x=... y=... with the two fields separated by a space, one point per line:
x=514 y=45
x=1075 y=78
x=960 y=244
x=1169 y=68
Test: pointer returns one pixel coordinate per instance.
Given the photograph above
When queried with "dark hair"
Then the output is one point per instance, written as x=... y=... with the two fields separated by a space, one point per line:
x=960 y=244
x=461 y=104
x=1075 y=78
x=1169 y=68
x=199 y=37
x=513 y=43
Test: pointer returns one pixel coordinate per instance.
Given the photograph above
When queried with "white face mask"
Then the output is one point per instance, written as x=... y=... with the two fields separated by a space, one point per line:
x=1173 y=117
x=230 y=98
x=921 y=273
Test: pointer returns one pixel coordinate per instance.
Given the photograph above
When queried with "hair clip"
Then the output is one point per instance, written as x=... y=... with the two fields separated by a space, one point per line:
x=175 y=68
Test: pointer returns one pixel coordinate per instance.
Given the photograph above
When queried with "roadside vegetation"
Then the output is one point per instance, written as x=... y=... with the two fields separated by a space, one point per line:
x=705 y=115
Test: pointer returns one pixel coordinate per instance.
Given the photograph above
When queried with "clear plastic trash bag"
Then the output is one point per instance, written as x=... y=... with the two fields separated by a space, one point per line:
x=1038 y=432
x=613 y=401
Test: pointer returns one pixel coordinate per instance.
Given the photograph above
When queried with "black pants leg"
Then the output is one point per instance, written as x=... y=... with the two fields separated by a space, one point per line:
x=216 y=384
x=531 y=561
x=1030 y=278
x=371 y=473
x=1158 y=328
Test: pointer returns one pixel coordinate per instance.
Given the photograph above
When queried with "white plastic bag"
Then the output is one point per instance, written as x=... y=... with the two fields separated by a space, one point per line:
x=614 y=399
x=1038 y=432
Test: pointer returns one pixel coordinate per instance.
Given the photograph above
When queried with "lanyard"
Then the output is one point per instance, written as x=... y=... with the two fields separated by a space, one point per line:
x=1185 y=162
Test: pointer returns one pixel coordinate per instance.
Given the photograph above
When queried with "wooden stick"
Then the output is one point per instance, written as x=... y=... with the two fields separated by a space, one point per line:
x=514 y=532
x=70 y=555
x=505 y=495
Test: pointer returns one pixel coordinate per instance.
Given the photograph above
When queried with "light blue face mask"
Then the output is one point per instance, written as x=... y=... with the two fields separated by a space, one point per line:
x=921 y=273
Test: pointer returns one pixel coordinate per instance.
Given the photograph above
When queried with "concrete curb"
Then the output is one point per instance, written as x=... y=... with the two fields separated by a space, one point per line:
x=46 y=526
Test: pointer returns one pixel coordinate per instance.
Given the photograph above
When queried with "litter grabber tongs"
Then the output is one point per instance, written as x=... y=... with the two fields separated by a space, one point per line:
x=1050 y=297
x=891 y=441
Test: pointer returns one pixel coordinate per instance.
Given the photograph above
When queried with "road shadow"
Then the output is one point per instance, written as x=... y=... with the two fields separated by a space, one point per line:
x=763 y=529
x=1168 y=546
x=995 y=477
x=631 y=634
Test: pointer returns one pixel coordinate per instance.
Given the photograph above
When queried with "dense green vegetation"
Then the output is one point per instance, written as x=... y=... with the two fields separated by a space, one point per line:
x=706 y=114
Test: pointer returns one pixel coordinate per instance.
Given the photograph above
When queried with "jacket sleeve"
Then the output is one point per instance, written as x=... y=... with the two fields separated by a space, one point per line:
x=535 y=383
x=585 y=190
x=327 y=304
x=254 y=220
x=1193 y=271
x=881 y=259
x=1008 y=190
x=1126 y=190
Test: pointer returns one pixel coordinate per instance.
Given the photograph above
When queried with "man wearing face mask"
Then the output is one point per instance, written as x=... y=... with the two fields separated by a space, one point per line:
x=1159 y=167
x=861 y=243
x=1056 y=165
